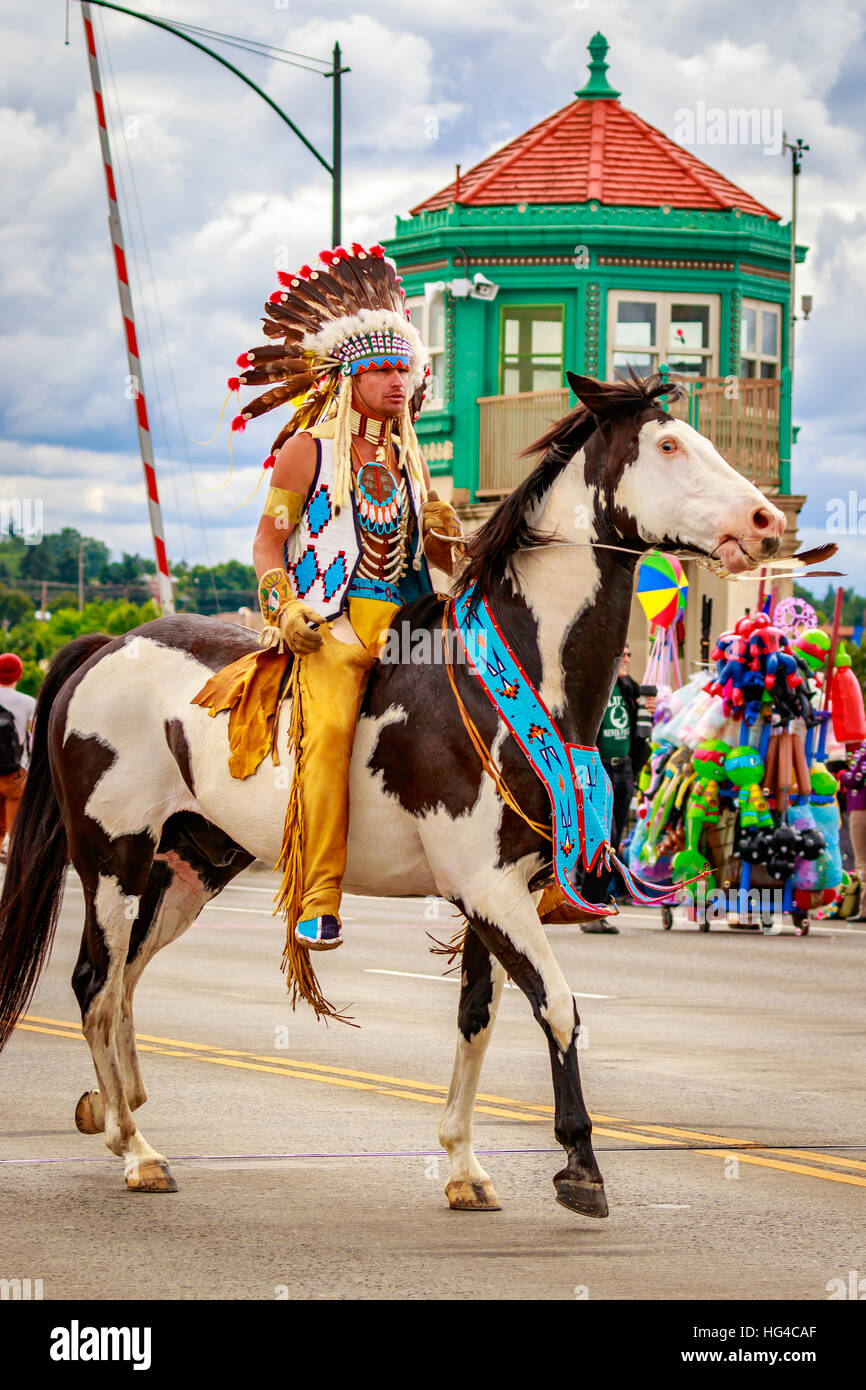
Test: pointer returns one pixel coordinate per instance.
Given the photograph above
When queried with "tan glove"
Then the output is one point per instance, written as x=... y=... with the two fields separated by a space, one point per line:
x=286 y=617
x=293 y=618
x=440 y=516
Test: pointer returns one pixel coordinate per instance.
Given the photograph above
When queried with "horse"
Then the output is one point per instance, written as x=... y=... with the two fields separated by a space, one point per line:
x=129 y=781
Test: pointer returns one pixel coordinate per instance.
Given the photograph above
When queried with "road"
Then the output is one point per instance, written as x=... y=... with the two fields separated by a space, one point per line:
x=307 y=1158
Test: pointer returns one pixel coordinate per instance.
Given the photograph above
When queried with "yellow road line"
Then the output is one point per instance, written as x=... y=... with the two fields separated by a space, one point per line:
x=282 y=1069
x=722 y=1139
x=802 y=1169
x=663 y=1135
x=322 y=1067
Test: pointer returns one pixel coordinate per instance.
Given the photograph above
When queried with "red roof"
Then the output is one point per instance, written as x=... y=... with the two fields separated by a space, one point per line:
x=596 y=149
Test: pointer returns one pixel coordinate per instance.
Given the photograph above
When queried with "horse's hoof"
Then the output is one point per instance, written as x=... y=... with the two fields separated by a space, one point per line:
x=587 y=1199
x=150 y=1176
x=472 y=1196
x=90 y=1113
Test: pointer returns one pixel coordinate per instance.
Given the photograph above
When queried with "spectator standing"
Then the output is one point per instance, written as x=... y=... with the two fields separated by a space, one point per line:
x=16 y=719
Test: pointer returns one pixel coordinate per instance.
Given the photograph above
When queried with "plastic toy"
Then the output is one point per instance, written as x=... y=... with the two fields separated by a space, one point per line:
x=745 y=769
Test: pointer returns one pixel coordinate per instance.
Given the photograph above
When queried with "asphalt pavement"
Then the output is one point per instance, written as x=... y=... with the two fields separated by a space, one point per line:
x=724 y=1072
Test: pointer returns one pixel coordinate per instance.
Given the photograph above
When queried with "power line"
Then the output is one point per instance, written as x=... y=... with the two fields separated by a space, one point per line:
x=261 y=50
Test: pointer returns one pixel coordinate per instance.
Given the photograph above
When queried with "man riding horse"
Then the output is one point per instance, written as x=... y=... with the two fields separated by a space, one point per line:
x=341 y=543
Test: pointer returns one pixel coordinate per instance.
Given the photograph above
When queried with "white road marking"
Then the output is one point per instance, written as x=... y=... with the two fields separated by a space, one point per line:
x=414 y=975
x=455 y=980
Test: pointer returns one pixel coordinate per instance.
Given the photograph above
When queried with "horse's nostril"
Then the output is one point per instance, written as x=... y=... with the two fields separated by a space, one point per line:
x=761 y=519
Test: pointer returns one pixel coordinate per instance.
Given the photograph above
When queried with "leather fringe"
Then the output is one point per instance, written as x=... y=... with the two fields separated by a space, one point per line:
x=301 y=978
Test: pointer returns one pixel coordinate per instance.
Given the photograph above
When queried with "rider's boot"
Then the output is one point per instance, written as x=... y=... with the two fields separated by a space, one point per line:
x=332 y=680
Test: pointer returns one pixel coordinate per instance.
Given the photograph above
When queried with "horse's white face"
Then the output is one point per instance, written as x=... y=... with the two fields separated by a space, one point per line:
x=681 y=493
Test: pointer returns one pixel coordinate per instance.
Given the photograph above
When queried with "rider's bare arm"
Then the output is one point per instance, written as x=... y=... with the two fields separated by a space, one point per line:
x=293 y=473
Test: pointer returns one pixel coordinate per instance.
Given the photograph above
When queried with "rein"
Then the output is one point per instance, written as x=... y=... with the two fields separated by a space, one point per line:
x=708 y=562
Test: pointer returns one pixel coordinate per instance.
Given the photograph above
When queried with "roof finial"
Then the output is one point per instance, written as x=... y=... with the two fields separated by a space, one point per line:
x=598 y=85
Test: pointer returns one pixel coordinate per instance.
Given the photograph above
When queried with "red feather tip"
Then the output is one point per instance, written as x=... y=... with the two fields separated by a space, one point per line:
x=269 y=461
x=326 y=257
x=399 y=279
x=285 y=278
x=243 y=360
x=239 y=424
x=358 y=249
x=276 y=297
x=428 y=370
x=377 y=250
x=234 y=383
x=341 y=251
x=305 y=272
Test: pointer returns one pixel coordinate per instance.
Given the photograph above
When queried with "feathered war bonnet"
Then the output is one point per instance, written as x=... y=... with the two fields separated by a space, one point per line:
x=325 y=326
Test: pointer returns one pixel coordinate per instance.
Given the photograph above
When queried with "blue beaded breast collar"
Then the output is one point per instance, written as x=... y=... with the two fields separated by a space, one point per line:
x=580 y=791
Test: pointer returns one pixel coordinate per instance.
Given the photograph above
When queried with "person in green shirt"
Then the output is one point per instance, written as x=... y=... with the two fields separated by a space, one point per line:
x=623 y=754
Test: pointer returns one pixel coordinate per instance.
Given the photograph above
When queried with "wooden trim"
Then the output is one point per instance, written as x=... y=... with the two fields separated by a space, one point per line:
x=419 y=267
x=765 y=272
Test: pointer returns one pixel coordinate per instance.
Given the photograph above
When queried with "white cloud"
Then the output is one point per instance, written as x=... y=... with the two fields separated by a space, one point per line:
x=222 y=185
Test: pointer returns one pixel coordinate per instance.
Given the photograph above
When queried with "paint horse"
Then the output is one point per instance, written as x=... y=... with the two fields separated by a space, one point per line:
x=129 y=780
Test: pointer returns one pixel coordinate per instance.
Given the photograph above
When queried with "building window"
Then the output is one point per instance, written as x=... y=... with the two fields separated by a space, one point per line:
x=645 y=330
x=760 y=339
x=429 y=319
x=530 y=351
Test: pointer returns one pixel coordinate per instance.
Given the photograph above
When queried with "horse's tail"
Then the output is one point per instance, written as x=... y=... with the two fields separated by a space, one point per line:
x=32 y=891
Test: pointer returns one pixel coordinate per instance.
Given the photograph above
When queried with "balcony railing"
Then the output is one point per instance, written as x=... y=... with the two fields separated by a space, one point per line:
x=740 y=416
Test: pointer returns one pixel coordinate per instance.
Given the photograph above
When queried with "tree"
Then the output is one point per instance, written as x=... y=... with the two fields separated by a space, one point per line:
x=14 y=605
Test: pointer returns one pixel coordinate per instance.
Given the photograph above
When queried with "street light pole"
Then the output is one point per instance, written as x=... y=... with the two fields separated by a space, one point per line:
x=337 y=149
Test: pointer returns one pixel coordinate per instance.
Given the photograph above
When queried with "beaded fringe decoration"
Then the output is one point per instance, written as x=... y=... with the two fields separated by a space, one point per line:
x=301 y=978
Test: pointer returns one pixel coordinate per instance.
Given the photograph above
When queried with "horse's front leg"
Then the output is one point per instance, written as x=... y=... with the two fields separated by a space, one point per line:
x=505 y=919
x=469 y=1188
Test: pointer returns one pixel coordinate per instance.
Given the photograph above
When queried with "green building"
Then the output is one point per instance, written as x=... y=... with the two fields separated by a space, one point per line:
x=593 y=242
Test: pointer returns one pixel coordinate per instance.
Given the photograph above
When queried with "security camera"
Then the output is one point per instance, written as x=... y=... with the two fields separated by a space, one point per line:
x=460 y=288
x=482 y=288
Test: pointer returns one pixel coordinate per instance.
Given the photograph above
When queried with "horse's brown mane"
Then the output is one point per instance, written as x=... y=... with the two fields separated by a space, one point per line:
x=507 y=529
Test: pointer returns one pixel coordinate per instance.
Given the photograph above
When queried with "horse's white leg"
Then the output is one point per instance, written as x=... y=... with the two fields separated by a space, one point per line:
x=112 y=912
x=177 y=895
x=177 y=907
x=469 y=1187
x=502 y=912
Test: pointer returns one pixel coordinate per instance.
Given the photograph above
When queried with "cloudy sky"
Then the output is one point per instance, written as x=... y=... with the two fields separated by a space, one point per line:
x=217 y=189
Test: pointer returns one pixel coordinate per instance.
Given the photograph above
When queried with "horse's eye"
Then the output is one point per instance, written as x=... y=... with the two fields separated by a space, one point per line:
x=667 y=446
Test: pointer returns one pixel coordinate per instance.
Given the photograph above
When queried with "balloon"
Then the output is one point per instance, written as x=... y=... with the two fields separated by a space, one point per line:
x=659 y=587
x=793 y=616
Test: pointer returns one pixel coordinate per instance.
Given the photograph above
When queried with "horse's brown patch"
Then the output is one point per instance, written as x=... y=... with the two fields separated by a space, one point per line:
x=175 y=737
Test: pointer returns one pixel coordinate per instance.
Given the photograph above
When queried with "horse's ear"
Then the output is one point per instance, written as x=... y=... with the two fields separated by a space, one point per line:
x=589 y=392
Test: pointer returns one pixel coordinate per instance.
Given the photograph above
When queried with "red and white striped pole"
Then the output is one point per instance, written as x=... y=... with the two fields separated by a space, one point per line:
x=163 y=578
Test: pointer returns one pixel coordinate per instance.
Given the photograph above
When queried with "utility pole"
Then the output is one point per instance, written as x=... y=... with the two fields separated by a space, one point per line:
x=81 y=574
x=798 y=149
x=134 y=379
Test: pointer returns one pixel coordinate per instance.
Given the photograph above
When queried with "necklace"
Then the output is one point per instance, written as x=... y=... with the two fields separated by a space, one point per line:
x=375 y=431
x=380 y=498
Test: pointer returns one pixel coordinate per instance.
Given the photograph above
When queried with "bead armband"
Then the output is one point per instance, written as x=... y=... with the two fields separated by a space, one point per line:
x=274 y=591
x=284 y=506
